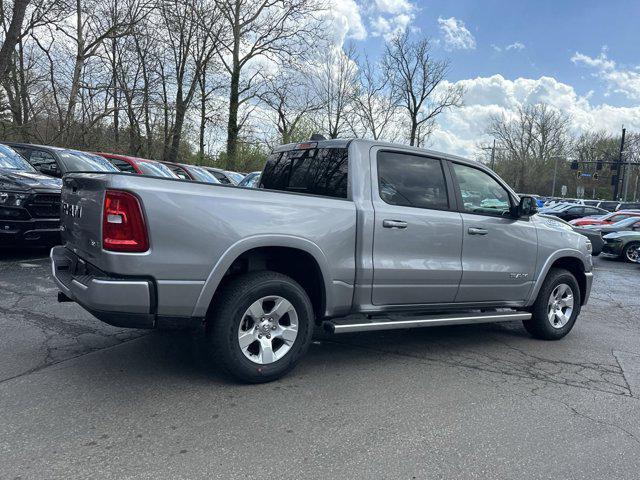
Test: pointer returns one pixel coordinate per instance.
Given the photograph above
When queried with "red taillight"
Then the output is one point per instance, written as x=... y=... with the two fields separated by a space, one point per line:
x=123 y=227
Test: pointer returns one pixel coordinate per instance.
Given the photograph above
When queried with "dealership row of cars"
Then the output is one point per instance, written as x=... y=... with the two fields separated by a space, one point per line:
x=30 y=184
x=30 y=196
x=615 y=233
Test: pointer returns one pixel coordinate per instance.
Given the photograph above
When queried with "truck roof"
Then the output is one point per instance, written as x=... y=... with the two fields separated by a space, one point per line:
x=366 y=143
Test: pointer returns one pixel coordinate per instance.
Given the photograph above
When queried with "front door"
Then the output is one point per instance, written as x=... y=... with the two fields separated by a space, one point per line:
x=498 y=251
x=417 y=234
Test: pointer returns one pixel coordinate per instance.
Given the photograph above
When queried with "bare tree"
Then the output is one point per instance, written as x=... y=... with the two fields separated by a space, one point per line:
x=12 y=35
x=531 y=142
x=335 y=87
x=418 y=82
x=289 y=98
x=376 y=101
x=276 y=30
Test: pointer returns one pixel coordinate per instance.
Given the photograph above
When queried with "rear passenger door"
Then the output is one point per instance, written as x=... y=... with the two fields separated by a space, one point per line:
x=417 y=233
x=498 y=251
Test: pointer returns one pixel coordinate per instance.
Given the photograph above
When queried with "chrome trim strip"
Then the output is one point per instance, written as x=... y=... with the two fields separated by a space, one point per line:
x=428 y=321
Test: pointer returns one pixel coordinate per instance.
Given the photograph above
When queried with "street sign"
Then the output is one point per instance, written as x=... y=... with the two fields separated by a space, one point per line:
x=586 y=174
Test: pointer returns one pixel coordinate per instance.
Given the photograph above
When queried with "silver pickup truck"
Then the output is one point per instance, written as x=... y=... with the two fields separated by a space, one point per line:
x=352 y=235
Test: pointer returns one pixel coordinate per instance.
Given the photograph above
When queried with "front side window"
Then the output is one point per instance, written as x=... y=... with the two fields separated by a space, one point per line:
x=315 y=171
x=411 y=181
x=43 y=162
x=481 y=193
x=122 y=165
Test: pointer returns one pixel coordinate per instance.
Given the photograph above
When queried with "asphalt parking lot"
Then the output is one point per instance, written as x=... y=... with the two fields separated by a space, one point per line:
x=80 y=399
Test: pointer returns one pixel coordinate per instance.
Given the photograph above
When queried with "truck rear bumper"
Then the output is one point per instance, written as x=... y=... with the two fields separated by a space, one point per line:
x=122 y=302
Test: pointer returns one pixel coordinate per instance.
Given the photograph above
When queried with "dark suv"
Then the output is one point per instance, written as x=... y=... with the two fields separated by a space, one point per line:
x=29 y=202
x=56 y=161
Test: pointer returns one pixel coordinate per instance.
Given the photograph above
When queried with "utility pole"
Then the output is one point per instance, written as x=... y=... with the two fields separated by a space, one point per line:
x=493 y=153
x=555 y=173
x=619 y=165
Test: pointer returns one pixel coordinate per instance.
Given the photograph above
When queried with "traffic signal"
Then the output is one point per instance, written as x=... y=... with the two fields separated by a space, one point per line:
x=599 y=165
x=595 y=175
x=578 y=174
x=574 y=165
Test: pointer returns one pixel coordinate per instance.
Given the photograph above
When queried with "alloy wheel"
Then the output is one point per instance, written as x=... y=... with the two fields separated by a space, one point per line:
x=268 y=329
x=560 y=305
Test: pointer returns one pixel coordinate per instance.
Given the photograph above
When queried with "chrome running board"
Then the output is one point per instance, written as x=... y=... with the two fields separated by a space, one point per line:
x=346 y=326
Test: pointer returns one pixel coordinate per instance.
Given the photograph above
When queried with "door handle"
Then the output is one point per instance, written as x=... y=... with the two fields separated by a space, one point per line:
x=394 y=224
x=477 y=231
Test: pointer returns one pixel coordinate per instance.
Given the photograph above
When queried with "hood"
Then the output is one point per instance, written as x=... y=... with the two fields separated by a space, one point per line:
x=23 y=180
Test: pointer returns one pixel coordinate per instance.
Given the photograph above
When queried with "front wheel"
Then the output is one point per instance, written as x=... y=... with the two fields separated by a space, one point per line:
x=631 y=252
x=558 y=304
x=261 y=324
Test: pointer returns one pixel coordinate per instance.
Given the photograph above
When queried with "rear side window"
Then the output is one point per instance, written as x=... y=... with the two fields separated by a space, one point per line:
x=316 y=171
x=411 y=181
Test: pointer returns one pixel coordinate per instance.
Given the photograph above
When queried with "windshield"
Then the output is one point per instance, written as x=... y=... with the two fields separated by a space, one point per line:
x=10 y=160
x=235 y=176
x=76 y=161
x=201 y=174
x=156 y=169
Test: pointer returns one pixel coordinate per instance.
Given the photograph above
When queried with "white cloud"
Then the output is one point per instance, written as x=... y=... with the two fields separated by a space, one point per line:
x=456 y=35
x=394 y=7
x=345 y=21
x=460 y=130
x=496 y=47
x=390 y=27
x=618 y=80
x=390 y=17
x=515 y=46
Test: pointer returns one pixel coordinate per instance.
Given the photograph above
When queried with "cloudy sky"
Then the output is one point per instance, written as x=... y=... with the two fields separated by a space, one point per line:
x=580 y=56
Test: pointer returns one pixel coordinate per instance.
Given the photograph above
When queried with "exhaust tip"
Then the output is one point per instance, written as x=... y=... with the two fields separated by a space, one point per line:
x=329 y=327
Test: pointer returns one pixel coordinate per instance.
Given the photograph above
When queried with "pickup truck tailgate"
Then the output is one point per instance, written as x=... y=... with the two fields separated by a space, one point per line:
x=81 y=216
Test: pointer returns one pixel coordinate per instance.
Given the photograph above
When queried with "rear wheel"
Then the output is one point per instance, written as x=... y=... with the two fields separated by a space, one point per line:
x=631 y=252
x=558 y=304
x=262 y=323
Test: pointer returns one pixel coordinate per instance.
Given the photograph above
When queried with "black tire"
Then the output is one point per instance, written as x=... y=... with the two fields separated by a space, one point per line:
x=626 y=251
x=230 y=306
x=540 y=326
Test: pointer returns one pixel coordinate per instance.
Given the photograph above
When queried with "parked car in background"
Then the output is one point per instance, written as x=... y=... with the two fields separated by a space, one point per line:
x=29 y=202
x=251 y=180
x=624 y=245
x=141 y=166
x=573 y=212
x=191 y=172
x=56 y=162
x=338 y=227
x=606 y=219
x=225 y=177
x=628 y=206
x=609 y=205
x=628 y=224
x=594 y=236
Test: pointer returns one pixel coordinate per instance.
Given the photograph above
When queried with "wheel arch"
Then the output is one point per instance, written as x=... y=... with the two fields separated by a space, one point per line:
x=569 y=260
x=258 y=252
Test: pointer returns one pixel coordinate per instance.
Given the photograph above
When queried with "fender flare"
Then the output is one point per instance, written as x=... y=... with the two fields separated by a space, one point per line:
x=564 y=253
x=249 y=243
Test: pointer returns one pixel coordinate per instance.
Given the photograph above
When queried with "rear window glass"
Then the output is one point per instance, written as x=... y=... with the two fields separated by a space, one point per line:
x=316 y=171
x=156 y=169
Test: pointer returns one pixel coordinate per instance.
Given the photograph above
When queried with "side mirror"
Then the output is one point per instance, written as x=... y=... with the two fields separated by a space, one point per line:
x=50 y=169
x=526 y=208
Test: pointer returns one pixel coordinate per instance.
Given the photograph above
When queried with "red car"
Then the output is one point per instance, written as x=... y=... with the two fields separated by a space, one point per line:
x=612 y=217
x=141 y=166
